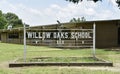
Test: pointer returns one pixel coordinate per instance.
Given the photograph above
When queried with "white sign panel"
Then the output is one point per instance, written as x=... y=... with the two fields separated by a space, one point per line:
x=63 y=35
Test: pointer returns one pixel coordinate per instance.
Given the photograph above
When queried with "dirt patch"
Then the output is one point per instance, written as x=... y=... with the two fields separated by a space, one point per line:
x=4 y=65
x=113 y=69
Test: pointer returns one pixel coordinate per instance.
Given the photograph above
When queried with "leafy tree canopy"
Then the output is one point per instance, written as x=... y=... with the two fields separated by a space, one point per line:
x=2 y=20
x=77 y=20
x=9 y=18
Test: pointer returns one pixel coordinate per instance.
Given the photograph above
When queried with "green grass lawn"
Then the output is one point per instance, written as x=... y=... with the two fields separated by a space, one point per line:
x=10 y=52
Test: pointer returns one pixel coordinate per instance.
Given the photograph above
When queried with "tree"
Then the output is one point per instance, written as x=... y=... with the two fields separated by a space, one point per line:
x=118 y=2
x=0 y=13
x=77 y=1
x=2 y=20
x=9 y=18
x=13 y=19
x=77 y=20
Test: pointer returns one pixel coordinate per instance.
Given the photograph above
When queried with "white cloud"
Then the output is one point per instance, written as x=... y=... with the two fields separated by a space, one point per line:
x=113 y=2
x=32 y=16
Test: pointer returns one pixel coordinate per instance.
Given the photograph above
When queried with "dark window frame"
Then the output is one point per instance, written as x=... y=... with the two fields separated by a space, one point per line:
x=13 y=36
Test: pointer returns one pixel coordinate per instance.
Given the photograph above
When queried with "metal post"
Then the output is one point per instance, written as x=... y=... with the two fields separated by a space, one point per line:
x=24 y=42
x=94 y=33
x=59 y=30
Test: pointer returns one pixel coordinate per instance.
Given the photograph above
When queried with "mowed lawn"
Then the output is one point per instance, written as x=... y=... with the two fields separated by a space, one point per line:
x=10 y=52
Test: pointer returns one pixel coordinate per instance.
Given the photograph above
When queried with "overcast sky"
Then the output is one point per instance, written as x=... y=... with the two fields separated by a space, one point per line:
x=44 y=12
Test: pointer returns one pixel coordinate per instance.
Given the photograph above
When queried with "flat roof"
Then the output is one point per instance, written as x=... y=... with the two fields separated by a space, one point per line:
x=80 y=22
x=20 y=29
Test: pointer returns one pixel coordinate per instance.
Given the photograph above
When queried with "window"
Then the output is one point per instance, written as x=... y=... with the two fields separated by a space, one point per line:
x=13 y=35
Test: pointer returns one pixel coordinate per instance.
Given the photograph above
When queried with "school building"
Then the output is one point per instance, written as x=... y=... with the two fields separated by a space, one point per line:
x=67 y=34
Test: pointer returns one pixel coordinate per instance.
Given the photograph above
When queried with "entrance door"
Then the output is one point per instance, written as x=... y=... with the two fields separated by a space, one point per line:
x=119 y=36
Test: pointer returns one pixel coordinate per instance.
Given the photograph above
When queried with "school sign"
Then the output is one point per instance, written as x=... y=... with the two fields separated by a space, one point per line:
x=79 y=35
x=63 y=37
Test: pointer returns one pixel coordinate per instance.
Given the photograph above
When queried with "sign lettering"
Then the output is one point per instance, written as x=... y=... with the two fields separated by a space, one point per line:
x=63 y=35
